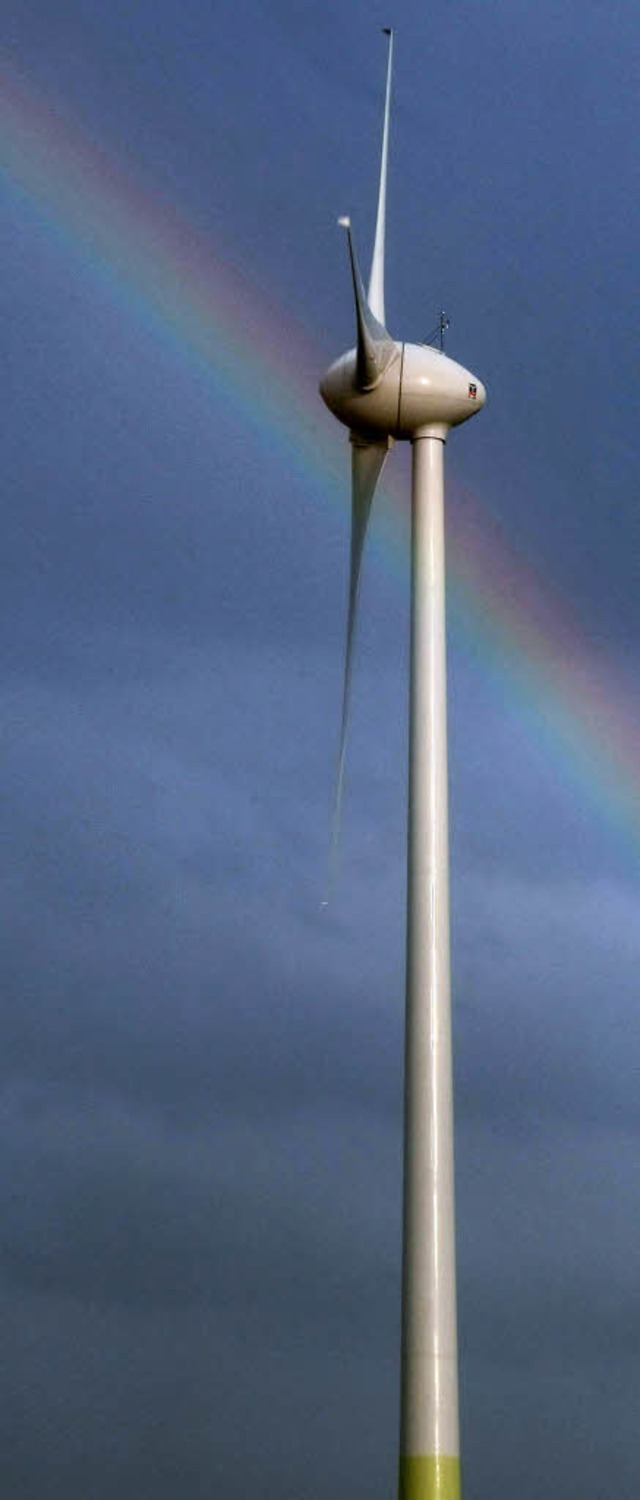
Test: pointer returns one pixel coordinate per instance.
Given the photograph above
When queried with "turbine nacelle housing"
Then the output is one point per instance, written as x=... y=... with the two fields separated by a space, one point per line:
x=419 y=387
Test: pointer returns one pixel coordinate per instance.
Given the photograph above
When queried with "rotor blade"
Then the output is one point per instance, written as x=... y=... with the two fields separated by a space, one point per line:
x=367 y=463
x=376 y=279
x=376 y=348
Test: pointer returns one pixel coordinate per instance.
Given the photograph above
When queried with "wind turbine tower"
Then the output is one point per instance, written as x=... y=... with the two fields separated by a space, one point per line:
x=384 y=390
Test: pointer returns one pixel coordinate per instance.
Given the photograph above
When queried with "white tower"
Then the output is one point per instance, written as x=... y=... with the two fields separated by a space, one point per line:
x=383 y=390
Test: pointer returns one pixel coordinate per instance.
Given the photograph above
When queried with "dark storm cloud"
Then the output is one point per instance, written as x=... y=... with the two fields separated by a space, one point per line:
x=583 y=1216
x=111 y=1207
x=549 y=1306
x=547 y=985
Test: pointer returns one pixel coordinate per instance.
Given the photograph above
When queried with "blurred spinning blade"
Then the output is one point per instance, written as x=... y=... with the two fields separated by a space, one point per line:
x=367 y=463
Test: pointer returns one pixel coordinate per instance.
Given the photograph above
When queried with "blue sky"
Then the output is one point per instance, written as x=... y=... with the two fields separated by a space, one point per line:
x=201 y=1069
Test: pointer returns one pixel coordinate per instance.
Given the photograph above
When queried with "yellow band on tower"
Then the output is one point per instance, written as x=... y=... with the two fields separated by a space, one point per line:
x=429 y=1477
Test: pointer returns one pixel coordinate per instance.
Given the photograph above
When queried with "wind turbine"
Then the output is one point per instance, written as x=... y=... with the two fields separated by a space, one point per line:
x=383 y=390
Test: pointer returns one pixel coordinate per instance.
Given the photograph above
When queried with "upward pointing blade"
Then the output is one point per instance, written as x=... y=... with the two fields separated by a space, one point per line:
x=367 y=463
x=376 y=349
x=376 y=279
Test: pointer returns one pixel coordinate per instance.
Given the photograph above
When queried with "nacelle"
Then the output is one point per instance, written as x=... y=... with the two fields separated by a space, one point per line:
x=420 y=386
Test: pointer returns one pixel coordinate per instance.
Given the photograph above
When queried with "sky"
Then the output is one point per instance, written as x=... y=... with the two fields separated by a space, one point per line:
x=200 y=1065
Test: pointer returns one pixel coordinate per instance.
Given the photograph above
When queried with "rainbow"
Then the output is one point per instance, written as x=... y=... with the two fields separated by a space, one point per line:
x=170 y=275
